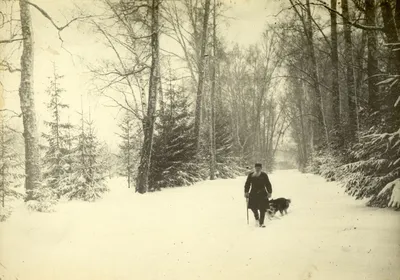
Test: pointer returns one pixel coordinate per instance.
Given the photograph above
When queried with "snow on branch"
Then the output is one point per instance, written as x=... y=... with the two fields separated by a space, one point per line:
x=397 y=102
x=394 y=187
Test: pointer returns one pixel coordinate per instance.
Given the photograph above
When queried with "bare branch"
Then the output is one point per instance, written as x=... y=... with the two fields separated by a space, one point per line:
x=127 y=107
x=46 y=15
x=126 y=74
x=353 y=23
x=11 y=111
x=172 y=54
x=119 y=59
x=59 y=28
x=10 y=40
x=8 y=67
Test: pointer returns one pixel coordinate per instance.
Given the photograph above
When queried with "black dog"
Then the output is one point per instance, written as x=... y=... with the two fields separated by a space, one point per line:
x=280 y=204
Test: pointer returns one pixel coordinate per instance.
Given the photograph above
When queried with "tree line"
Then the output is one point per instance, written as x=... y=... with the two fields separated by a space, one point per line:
x=324 y=73
x=342 y=70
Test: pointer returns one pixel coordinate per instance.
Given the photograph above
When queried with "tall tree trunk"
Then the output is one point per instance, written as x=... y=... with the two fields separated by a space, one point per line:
x=160 y=89
x=82 y=138
x=303 y=138
x=200 y=86
x=3 y=159
x=372 y=64
x=270 y=159
x=394 y=62
x=351 y=134
x=128 y=169
x=27 y=103
x=359 y=70
x=319 y=133
x=337 y=134
x=148 y=121
x=306 y=140
x=213 y=162
x=391 y=34
x=264 y=141
x=397 y=16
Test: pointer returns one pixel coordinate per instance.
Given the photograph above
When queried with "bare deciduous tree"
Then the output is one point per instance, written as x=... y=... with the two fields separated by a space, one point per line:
x=200 y=86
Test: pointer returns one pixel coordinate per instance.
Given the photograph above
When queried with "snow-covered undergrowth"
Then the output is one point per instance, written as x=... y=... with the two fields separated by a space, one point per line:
x=371 y=166
x=200 y=232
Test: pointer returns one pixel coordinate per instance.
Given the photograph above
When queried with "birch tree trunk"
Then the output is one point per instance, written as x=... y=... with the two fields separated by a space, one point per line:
x=27 y=103
x=200 y=86
x=160 y=89
x=351 y=134
x=149 y=119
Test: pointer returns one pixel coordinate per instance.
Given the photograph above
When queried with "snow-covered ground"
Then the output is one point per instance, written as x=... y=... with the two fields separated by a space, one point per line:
x=200 y=232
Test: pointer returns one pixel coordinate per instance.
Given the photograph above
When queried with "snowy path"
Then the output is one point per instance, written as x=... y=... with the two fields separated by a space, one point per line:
x=200 y=232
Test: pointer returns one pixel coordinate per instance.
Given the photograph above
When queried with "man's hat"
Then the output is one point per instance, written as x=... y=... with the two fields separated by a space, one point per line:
x=258 y=165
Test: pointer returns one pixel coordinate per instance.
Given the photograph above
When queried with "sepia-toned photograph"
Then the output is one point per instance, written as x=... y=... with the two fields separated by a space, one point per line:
x=199 y=139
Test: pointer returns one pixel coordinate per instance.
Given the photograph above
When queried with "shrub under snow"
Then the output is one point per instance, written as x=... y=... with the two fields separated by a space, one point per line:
x=373 y=170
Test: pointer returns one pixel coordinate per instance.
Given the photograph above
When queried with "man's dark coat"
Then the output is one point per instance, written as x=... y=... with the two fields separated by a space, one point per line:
x=260 y=187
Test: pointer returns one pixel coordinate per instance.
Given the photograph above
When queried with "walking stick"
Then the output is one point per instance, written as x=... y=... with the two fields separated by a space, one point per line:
x=247 y=209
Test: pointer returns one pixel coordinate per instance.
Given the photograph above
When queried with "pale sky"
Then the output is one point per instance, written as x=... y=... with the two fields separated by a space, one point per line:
x=249 y=18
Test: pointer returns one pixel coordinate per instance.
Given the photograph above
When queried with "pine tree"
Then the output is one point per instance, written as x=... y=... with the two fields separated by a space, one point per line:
x=227 y=163
x=375 y=164
x=11 y=168
x=57 y=159
x=174 y=151
x=127 y=147
x=88 y=177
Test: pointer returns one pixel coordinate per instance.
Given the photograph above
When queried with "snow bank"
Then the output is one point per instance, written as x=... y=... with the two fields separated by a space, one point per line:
x=200 y=232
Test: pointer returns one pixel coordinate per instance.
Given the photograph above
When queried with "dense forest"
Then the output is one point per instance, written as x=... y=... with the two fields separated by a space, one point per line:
x=324 y=76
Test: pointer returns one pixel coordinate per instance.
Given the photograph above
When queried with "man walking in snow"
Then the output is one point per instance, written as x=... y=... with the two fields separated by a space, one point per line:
x=259 y=193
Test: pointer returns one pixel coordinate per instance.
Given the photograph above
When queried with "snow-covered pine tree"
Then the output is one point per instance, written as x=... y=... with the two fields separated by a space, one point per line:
x=57 y=158
x=108 y=160
x=375 y=169
x=11 y=168
x=227 y=164
x=88 y=177
x=127 y=155
x=174 y=160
